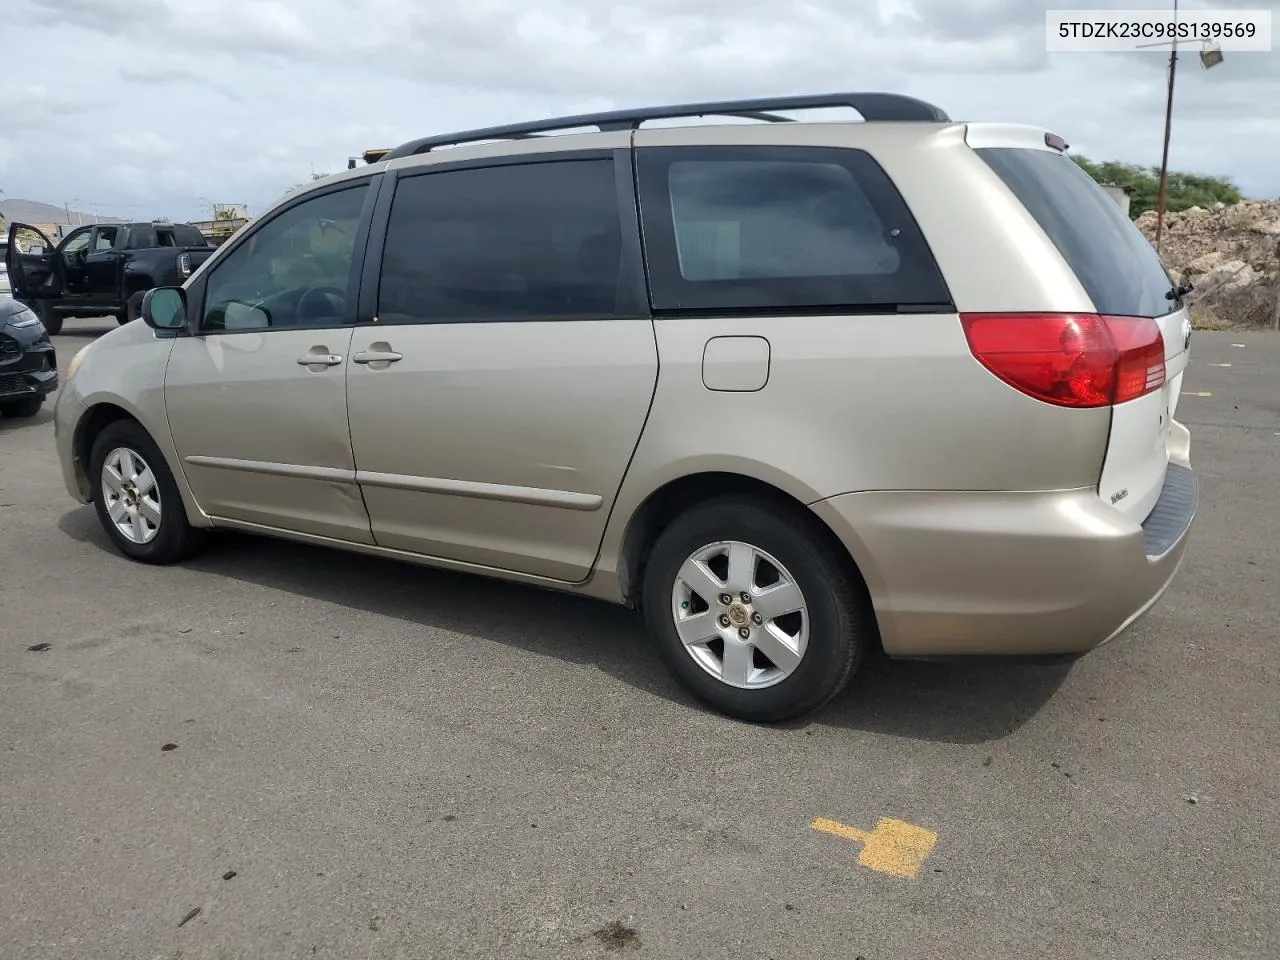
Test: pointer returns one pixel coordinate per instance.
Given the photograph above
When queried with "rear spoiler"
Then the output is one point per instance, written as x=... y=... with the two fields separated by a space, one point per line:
x=369 y=156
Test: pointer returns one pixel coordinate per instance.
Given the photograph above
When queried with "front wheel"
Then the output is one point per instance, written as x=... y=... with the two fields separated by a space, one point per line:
x=50 y=319
x=754 y=610
x=132 y=309
x=26 y=407
x=136 y=497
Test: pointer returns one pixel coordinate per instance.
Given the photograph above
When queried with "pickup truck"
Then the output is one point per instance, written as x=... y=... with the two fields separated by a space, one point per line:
x=100 y=269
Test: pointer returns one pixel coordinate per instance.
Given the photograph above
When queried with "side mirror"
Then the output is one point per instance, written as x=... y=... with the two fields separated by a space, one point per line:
x=35 y=251
x=165 y=308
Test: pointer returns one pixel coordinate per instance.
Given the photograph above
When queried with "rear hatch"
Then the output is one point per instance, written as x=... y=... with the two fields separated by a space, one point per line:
x=1124 y=277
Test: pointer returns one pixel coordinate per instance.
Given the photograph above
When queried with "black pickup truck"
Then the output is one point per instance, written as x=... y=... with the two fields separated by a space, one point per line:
x=100 y=269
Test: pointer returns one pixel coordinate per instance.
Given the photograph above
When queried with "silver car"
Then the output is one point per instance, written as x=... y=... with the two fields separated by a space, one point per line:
x=793 y=390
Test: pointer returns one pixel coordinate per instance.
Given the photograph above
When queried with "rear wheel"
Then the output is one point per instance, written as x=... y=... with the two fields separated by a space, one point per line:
x=136 y=497
x=754 y=610
x=26 y=407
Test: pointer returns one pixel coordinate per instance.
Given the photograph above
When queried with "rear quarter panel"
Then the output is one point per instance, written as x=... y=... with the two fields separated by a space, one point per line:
x=861 y=403
x=155 y=267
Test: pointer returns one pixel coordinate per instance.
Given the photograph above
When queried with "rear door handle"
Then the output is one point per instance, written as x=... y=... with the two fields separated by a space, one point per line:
x=319 y=360
x=377 y=356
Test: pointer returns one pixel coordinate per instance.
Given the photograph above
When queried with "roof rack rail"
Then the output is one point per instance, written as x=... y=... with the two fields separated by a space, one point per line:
x=874 y=107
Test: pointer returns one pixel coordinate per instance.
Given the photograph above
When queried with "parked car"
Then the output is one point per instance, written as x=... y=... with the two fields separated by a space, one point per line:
x=101 y=269
x=28 y=362
x=790 y=389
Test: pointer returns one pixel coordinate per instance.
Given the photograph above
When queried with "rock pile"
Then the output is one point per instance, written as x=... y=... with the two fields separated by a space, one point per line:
x=1232 y=256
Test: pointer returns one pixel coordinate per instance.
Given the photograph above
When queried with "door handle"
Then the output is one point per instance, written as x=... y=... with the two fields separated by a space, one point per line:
x=319 y=360
x=377 y=356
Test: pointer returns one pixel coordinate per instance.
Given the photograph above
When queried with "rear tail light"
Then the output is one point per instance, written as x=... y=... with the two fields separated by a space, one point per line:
x=1070 y=359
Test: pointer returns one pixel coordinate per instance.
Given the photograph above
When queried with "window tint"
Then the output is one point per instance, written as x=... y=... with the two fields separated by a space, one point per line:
x=1113 y=261
x=524 y=241
x=143 y=237
x=294 y=271
x=77 y=241
x=761 y=219
x=778 y=228
x=188 y=236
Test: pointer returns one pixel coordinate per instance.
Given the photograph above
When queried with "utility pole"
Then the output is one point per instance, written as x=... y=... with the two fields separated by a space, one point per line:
x=1164 y=157
x=1168 y=123
x=1210 y=56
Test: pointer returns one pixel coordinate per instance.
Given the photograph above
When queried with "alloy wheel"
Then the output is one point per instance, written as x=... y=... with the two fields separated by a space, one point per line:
x=740 y=614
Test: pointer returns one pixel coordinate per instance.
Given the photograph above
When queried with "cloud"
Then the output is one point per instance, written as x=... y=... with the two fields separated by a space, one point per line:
x=106 y=16
x=245 y=97
x=140 y=144
x=24 y=108
x=264 y=26
x=160 y=71
x=657 y=48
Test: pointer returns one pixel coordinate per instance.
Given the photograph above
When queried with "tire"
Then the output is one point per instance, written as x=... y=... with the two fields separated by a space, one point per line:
x=834 y=623
x=161 y=534
x=133 y=308
x=49 y=318
x=26 y=407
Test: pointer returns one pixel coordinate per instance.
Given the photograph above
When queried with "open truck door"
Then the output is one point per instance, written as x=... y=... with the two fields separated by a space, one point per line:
x=33 y=264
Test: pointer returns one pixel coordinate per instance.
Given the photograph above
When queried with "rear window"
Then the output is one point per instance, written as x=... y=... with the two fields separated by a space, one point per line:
x=780 y=229
x=188 y=236
x=142 y=238
x=1114 y=262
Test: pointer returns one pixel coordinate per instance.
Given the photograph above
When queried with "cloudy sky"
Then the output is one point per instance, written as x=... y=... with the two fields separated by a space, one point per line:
x=147 y=108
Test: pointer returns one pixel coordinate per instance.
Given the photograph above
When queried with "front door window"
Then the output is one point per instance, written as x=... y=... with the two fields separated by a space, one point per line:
x=296 y=272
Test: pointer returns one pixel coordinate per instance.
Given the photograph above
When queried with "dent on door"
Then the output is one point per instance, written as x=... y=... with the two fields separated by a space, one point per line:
x=260 y=422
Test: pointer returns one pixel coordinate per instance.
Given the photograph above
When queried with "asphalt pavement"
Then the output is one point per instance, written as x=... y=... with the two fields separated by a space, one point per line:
x=277 y=751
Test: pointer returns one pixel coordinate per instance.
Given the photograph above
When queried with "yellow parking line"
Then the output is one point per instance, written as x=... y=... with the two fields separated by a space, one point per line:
x=894 y=847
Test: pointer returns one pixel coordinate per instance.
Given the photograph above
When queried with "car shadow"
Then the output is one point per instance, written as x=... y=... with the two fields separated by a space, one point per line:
x=952 y=703
x=85 y=328
x=43 y=419
x=82 y=333
x=89 y=334
x=962 y=702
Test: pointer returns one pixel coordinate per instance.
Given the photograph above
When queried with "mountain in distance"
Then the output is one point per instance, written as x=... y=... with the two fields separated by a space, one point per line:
x=35 y=212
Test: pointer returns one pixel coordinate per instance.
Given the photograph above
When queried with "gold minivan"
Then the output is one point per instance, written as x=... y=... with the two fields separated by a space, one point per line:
x=791 y=389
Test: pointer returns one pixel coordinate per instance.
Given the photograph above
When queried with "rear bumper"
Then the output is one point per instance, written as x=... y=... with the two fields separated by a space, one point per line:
x=1012 y=574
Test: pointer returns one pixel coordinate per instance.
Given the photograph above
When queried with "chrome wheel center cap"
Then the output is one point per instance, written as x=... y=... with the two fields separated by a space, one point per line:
x=738 y=614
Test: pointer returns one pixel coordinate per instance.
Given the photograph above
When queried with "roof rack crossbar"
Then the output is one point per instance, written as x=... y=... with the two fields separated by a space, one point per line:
x=874 y=107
